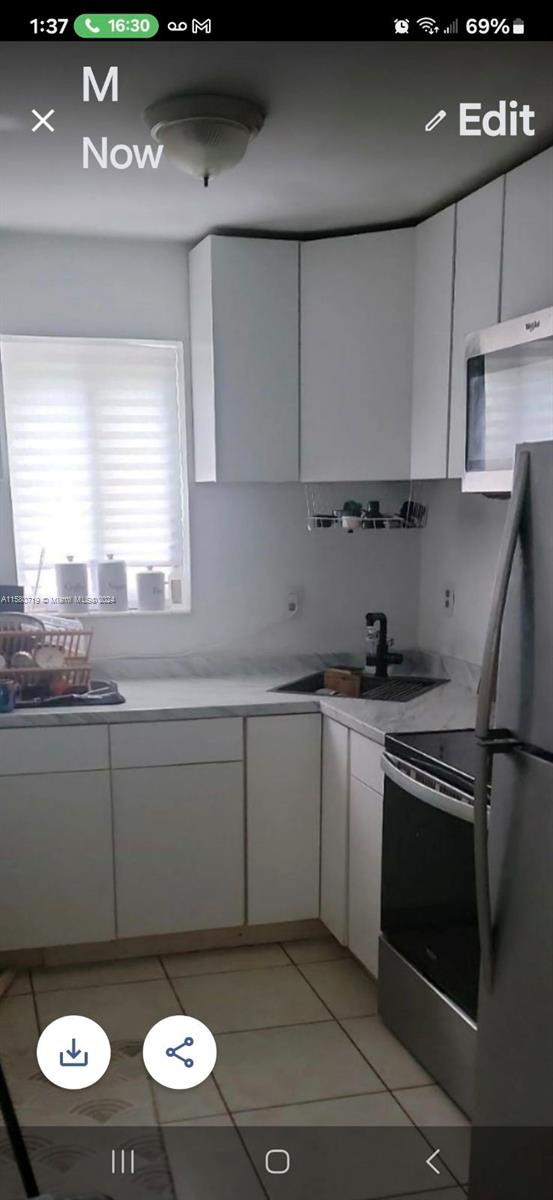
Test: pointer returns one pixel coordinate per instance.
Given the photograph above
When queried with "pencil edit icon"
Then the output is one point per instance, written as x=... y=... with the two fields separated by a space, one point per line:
x=435 y=120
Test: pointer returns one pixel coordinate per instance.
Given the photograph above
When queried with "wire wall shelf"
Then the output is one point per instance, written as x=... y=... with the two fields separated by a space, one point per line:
x=356 y=514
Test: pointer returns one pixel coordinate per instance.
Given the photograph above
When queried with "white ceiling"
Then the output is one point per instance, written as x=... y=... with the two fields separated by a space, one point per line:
x=343 y=144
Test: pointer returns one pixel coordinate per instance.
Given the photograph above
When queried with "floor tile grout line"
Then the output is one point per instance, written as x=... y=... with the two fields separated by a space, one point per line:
x=167 y=974
x=286 y=952
x=71 y=987
x=312 y=962
x=234 y=970
x=316 y=993
x=91 y=986
x=340 y=1021
x=248 y=1154
x=314 y=1100
x=35 y=1004
x=282 y=1025
x=421 y=1129
x=403 y=1087
x=449 y=1187
x=212 y=1076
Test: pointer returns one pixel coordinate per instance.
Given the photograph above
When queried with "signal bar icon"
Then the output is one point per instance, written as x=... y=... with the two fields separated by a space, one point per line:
x=453 y=28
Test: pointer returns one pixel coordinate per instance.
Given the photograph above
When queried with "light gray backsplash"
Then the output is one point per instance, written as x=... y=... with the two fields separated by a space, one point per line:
x=459 y=549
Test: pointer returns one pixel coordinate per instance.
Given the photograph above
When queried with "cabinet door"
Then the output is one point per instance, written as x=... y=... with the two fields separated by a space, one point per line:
x=56 y=860
x=365 y=852
x=334 y=828
x=432 y=345
x=356 y=356
x=476 y=298
x=284 y=797
x=179 y=848
x=528 y=238
x=244 y=302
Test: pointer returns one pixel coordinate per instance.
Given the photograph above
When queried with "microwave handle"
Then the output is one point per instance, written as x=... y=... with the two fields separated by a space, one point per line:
x=483 y=715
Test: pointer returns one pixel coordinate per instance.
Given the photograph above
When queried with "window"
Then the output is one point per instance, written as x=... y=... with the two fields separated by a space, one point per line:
x=96 y=452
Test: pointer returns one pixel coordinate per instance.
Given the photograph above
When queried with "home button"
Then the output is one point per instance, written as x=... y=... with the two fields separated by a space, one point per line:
x=277 y=1162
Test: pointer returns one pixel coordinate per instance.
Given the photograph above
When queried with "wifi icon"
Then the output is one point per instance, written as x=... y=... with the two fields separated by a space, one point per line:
x=428 y=25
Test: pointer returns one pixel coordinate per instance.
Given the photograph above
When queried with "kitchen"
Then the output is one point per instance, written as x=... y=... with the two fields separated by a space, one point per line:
x=229 y=825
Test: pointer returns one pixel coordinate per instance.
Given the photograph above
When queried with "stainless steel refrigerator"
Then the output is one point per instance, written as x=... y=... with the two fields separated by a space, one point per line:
x=512 y=1141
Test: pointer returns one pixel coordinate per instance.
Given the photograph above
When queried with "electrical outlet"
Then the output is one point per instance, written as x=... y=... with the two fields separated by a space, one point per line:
x=293 y=603
x=449 y=599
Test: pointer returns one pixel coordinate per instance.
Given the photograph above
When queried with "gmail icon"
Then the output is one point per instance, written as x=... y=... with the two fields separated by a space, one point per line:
x=201 y=26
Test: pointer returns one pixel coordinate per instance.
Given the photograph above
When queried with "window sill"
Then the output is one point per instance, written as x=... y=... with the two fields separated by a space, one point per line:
x=101 y=614
x=95 y=614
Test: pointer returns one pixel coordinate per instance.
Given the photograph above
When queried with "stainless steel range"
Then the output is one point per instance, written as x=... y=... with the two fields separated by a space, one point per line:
x=429 y=946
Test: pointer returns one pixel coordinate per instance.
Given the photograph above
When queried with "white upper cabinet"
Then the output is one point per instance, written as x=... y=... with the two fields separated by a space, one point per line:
x=356 y=346
x=435 y=243
x=244 y=298
x=476 y=296
x=528 y=238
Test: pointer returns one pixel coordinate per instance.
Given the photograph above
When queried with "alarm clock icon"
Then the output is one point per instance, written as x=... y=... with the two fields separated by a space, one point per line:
x=401 y=25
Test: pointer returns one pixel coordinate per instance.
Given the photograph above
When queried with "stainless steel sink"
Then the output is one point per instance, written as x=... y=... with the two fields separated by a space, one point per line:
x=400 y=688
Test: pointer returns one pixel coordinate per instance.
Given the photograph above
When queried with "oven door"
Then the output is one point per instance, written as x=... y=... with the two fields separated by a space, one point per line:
x=509 y=380
x=428 y=884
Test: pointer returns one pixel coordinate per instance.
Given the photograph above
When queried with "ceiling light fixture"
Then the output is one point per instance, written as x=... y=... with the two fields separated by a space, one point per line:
x=204 y=135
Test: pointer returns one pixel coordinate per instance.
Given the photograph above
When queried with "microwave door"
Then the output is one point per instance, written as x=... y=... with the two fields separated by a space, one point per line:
x=509 y=398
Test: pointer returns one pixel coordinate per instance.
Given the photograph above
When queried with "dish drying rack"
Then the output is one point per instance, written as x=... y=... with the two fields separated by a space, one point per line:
x=412 y=514
x=28 y=633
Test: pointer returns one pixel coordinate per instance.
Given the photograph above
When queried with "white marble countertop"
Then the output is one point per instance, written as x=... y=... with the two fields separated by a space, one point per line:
x=449 y=706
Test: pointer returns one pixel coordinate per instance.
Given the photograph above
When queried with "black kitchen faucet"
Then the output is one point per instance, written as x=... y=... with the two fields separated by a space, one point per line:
x=383 y=657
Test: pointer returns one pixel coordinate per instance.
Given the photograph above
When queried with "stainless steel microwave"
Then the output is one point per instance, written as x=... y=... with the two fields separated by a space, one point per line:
x=509 y=397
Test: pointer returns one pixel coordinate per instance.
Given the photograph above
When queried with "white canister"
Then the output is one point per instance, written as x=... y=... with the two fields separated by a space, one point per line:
x=72 y=586
x=112 y=585
x=150 y=587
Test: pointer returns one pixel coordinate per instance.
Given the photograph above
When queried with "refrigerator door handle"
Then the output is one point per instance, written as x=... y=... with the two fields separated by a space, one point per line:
x=483 y=715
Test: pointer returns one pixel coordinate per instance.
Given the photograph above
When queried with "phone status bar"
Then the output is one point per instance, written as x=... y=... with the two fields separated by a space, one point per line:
x=200 y=25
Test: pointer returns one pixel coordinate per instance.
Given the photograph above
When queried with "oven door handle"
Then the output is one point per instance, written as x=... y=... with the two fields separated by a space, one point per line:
x=440 y=795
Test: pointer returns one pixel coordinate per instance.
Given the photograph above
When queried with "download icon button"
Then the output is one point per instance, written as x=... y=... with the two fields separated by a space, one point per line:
x=73 y=1052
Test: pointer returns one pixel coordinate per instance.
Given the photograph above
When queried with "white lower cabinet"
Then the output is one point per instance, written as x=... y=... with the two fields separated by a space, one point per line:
x=56 y=864
x=283 y=789
x=365 y=852
x=334 y=829
x=179 y=848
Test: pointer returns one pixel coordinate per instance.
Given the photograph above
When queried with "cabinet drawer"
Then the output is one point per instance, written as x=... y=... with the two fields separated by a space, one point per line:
x=365 y=761
x=38 y=751
x=170 y=743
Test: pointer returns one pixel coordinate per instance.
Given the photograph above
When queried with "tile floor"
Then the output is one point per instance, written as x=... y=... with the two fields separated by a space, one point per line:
x=300 y=1045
